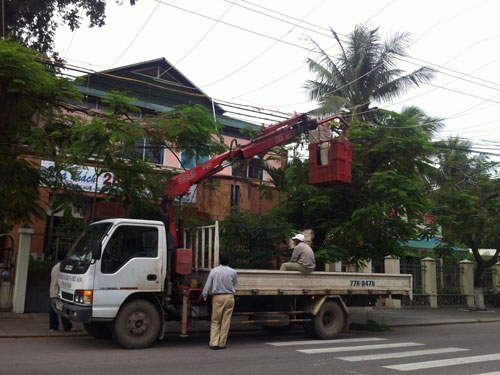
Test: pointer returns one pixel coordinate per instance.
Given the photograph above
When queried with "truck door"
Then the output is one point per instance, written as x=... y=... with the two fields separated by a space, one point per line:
x=130 y=262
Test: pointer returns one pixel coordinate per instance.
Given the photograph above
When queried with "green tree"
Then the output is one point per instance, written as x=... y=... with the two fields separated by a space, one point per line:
x=112 y=141
x=385 y=203
x=29 y=94
x=467 y=204
x=53 y=142
x=34 y=23
x=364 y=70
x=254 y=240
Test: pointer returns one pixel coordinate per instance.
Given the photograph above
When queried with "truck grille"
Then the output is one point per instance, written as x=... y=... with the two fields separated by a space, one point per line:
x=66 y=295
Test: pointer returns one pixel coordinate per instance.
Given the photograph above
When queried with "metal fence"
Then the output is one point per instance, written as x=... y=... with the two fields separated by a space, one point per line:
x=448 y=278
x=414 y=267
x=204 y=241
x=59 y=245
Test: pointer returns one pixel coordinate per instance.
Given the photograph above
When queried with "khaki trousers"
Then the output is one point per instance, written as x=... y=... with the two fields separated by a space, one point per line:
x=292 y=266
x=222 y=310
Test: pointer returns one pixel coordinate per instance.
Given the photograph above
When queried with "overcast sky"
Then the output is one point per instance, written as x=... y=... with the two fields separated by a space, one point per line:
x=253 y=52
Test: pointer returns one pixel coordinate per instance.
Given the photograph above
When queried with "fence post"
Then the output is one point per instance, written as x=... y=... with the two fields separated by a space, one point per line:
x=392 y=266
x=333 y=267
x=495 y=276
x=467 y=281
x=21 y=278
x=429 y=280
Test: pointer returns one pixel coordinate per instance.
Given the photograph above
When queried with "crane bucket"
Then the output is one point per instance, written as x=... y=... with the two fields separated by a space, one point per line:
x=330 y=162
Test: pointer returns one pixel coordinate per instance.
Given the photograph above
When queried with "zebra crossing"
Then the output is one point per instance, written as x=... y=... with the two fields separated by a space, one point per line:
x=367 y=344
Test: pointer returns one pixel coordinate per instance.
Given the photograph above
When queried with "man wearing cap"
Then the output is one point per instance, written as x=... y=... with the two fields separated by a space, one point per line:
x=302 y=257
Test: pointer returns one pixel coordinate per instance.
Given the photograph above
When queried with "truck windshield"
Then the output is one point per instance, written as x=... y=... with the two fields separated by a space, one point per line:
x=82 y=249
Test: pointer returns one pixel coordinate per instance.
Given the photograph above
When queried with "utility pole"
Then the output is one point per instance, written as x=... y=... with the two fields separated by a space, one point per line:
x=3 y=19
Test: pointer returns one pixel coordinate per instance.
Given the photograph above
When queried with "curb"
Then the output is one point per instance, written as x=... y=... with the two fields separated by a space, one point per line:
x=439 y=323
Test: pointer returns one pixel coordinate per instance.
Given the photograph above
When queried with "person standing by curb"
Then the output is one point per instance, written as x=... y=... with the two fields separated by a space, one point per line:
x=220 y=283
x=54 y=291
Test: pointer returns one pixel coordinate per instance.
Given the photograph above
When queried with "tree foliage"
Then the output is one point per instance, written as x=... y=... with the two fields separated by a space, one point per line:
x=385 y=203
x=30 y=93
x=467 y=202
x=254 y=241
x=34 y=22
x=364 y=70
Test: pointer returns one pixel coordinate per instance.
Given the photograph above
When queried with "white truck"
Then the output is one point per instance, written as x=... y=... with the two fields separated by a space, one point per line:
x=125 y=278
x=121 y=280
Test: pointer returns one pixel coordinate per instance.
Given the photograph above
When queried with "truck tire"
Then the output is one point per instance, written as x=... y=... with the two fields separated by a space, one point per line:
x=137 y=325
x=100 y=330
x=328 y=322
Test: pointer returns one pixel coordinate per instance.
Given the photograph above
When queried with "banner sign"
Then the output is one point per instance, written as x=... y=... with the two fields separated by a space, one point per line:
x=85 y=178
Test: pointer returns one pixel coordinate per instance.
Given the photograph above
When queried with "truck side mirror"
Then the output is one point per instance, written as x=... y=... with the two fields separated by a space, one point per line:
x=96 y=249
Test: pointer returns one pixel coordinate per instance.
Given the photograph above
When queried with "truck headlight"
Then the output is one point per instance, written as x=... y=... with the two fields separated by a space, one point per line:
x=84 y=297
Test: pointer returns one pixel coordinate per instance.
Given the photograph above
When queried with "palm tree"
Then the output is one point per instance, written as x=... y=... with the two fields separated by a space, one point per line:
x=363 y=71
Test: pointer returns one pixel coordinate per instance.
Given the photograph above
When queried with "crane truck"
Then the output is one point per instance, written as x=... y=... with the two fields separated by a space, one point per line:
x=125 y=278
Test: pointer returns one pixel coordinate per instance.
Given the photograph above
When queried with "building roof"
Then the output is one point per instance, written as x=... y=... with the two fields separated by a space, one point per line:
x=156 y=85
x=426 y=247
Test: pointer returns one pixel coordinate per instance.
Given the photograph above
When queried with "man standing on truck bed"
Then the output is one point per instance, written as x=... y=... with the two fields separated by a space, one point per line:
x=220 y=282
x=302 y=257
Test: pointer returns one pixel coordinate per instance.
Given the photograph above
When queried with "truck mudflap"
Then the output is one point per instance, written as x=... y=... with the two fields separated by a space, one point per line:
x=72 y=312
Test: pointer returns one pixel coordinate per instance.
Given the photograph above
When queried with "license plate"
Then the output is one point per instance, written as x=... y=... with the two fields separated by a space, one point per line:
x=59 y=305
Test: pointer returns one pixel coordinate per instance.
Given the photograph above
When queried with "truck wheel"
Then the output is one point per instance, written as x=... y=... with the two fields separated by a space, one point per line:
x=328 y=322
x=137 y=325
x=100 y=330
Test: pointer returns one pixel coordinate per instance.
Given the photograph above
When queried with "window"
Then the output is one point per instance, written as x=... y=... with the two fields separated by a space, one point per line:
x=235 y=195
x=248 y=169
x=150 y=151
x=189 y=163
x=129 y=242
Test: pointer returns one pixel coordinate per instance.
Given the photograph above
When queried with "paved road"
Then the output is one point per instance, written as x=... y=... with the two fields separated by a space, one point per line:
x=469 y=349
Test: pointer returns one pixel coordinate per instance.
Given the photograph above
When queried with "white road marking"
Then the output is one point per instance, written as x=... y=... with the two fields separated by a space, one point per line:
x=490 y=373
x=357 y=348
x=319 y=342
x=414 y=353
x=445 y=362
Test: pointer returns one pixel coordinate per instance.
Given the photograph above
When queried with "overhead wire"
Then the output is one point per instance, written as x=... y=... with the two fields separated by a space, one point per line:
x=73 y=36
x=136 y=35
x=162 y=2
x=380 y=11
x=448 y=19
x=264 y=51
x=90 y=71
x=203 y=37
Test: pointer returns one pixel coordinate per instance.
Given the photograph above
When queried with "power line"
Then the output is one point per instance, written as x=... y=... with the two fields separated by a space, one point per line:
x=286 y=15
x=72 y=36
x=136 y=35
x=265 y=50
x=448 y=19
x=203 y=37
x=380 y=11
x=282 y=20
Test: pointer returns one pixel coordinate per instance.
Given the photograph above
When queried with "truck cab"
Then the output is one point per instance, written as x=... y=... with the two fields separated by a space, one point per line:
x=112 y=262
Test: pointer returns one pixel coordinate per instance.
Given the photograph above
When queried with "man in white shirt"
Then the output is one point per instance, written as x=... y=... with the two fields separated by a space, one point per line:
x=220 y=283
x=54 y=291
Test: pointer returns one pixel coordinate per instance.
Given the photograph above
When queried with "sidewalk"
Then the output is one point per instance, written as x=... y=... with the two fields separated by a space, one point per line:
x=37 y=325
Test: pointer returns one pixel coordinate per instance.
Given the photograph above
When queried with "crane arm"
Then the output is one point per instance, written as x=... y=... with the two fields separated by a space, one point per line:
x=270 y=137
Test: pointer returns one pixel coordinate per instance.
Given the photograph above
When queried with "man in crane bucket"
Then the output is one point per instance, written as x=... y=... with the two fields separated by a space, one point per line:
x=302 y=257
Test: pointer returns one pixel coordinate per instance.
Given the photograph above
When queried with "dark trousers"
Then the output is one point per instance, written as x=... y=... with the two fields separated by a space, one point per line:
x=54 y=320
